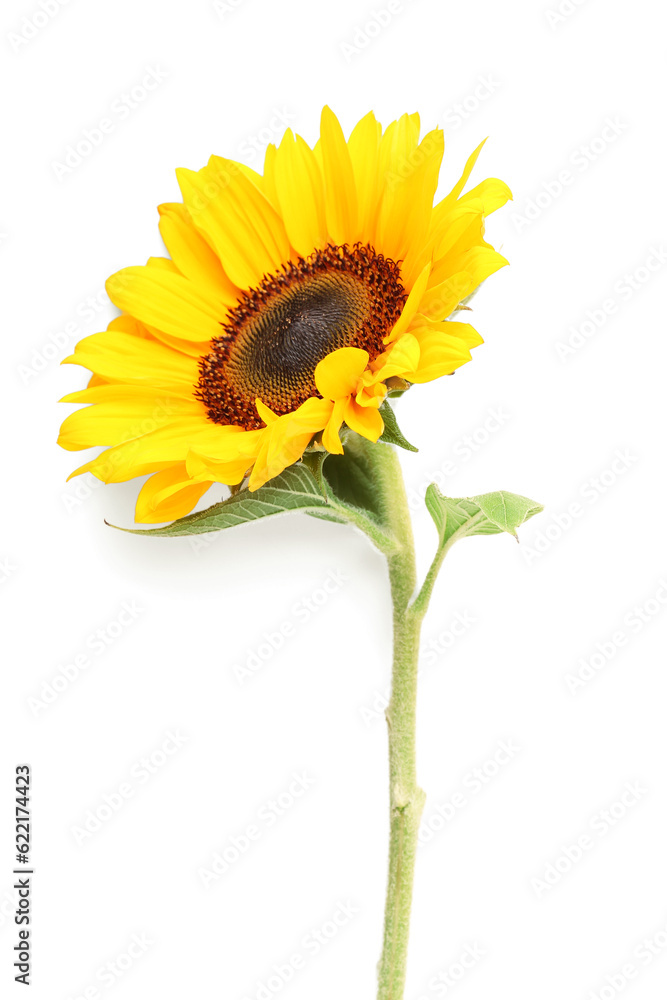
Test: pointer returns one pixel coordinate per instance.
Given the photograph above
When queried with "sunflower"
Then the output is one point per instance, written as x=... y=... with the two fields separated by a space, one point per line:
x=291 y=303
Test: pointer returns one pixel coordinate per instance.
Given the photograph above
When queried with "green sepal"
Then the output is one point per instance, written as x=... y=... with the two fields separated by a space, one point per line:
x=392 y=433
x=350 y=485
x=314 y=462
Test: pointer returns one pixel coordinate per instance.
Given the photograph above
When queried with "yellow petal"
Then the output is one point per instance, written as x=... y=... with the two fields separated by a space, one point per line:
x=167 y=301
x=372 y=393
x=168 y=495
x=96 y=467
x=300 y=192
x=163 y=446
x=229 y=461
x=129 y=324
x=163 y=264
x=462 y=226
x=441 y=300
x=309 y=418
x=401 y=358
x=407 y=204
x=269 y=177
x=117 y=392
x=492 y=192
x=137 y=360
x=397 y=144
x=265 y=414
x=240 y=223
x=120 y=414
x=396 y=150
x=452 y=332
x=479 y=262
x=192 y=254
x=337 y=374
x=231 y=472
x=443 y=348
x=411 y=306
x=331 y=434
x=261 y=471
x=287 y=438
x=446 y=204
x=340 y=194
x=365 y=420
x=192 y=348
x=363 y=146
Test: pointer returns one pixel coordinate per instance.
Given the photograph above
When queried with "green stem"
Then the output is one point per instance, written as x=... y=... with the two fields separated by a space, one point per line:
x=378 y=483
x=406 y=797
x=406 y=803
x=421 y=601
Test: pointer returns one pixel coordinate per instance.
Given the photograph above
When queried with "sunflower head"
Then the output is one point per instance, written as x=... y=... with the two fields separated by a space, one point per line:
x=273 y=340
x=290 y=304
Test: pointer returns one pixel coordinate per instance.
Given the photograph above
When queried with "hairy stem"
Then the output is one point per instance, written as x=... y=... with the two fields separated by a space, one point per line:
x=406 y=797
x=406 y=805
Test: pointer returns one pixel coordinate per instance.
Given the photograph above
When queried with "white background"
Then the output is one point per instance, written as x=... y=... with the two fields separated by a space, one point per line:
x=543 y=89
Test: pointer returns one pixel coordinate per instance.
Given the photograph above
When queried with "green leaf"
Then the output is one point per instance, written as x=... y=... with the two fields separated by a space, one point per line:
x=303 y=487
x=295 y=490
x=321 y=516
x=486 y=514
x=392 y=432
x=507 y=511
x=462 y=517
